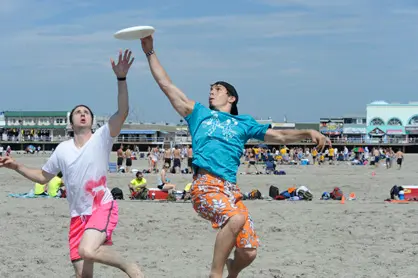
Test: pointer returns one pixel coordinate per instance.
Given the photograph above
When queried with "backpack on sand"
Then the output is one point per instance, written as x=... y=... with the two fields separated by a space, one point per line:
x=117 y=193
x=274 y=192
x=336 y=194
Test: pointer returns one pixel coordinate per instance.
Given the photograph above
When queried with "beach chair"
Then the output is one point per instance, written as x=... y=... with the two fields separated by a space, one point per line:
x=270 y=167
x=113 y=167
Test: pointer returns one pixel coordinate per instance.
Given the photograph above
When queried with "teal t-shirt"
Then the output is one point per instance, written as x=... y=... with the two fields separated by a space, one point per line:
x=218 y=139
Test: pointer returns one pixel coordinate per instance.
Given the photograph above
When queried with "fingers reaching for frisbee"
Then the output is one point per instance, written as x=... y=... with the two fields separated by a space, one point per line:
x=124 y=63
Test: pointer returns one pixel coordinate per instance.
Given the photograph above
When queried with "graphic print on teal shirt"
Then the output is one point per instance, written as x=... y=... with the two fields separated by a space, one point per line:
x=218 y=139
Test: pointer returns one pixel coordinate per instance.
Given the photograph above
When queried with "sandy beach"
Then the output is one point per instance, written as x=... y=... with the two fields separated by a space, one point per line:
x=362 y=238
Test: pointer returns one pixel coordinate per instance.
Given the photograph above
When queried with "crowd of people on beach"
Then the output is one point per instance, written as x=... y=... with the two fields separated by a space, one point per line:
x=330 y=155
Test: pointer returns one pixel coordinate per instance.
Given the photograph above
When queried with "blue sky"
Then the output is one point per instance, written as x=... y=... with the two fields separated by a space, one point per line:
x=303 y=58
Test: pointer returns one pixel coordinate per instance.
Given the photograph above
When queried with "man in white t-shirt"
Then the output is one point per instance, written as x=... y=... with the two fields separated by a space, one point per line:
x=84 y=163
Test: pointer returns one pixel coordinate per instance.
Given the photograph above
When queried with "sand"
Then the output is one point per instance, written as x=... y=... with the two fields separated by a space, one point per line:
x=362 y=238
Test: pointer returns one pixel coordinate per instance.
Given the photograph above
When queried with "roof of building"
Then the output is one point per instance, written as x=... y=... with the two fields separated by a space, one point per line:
x=35 y=113
x=36 y=127
x=314 y=126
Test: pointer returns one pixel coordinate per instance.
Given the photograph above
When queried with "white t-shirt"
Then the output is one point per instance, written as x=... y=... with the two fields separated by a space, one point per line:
x=84 y=171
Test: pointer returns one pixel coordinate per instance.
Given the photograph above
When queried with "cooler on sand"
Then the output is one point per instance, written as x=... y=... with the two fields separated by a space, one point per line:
x=304 y=162
x=157 y=194
x=411 y=191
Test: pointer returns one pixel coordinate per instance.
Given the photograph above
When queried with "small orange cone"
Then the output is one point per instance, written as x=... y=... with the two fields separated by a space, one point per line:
x=352 y=196
x=343 y=200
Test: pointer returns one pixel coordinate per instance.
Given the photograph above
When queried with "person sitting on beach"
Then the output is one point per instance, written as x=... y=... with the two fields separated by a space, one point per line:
x=56 y=186
x=163 y=182
x=39 y=189
x=137 y=185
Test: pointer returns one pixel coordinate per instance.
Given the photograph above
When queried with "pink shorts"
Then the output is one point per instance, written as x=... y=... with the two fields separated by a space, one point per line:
x=103 y=219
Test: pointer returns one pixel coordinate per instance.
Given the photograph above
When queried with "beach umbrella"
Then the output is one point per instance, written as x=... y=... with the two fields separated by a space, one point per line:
x=358 y=150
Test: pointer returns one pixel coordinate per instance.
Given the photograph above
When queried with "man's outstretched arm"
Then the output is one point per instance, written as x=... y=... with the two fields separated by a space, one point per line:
x=178 y=99
x=121 y=70
x=35 y=175
x=293 y=136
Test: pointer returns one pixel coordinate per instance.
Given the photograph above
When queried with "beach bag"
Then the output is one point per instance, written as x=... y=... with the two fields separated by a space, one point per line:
x=394 y=192
x=336 y=194
x=254 y=194
x=273 y=192
x=305 y=195
x=325 y=196
x=280 y=173
x=117 y=193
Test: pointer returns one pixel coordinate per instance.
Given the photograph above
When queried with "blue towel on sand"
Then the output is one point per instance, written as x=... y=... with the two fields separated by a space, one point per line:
x=28 y=195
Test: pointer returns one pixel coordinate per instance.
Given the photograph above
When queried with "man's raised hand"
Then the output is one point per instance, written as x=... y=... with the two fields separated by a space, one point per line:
x=124 y=63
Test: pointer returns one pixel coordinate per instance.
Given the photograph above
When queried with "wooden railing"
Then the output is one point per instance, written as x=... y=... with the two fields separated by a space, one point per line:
x=188 y=140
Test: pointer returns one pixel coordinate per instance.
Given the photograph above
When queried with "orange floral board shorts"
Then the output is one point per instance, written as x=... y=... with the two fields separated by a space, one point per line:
x=217 y=200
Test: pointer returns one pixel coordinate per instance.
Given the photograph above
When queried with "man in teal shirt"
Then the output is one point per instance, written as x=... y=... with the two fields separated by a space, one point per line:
x=218 y=138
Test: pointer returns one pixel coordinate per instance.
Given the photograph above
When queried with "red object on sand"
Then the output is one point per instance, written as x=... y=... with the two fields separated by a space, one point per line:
x=411 y=191
x=158 y=194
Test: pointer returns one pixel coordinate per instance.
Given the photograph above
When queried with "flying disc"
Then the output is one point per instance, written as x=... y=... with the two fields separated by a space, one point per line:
x=134 y=33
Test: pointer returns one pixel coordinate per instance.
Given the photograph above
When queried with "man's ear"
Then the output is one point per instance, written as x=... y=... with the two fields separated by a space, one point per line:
x=231 y=99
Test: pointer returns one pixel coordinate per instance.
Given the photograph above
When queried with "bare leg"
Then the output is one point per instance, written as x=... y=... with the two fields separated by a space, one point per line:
x=168 y=186
x=225 y=241
x=83 y=269
x=243 y=257
x=248 y=169
x=91 y=249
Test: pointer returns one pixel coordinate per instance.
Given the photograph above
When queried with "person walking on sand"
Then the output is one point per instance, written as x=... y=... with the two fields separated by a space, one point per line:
x=399 y=158
x=218 y=138
x=83 y=161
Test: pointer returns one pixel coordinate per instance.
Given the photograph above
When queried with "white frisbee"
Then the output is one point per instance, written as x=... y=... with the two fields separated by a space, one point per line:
x=134 y=33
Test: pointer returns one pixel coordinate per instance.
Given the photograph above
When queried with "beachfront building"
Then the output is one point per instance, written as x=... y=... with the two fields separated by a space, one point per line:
x=389 y=122
x=46 y=126
x=2 y=122
x=354 y=128
x=331 y=127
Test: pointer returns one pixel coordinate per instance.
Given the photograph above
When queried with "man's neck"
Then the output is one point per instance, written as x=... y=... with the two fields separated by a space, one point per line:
x=81 y=137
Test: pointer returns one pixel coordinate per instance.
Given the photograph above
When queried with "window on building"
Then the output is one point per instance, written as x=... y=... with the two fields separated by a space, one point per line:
x=376 y=121
x=394 y=121
x=414 y=120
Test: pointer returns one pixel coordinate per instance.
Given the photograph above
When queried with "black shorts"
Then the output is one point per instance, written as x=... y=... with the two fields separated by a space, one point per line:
x=120 y=160
x=128 y=162
x=177 y=162
x=399 y=161
x=167 y=160
x=252 y=162
x=189 y=162
x=161 y=186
